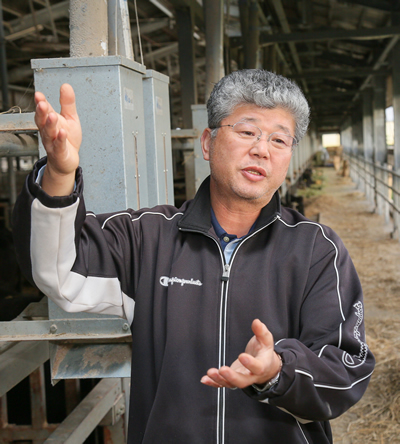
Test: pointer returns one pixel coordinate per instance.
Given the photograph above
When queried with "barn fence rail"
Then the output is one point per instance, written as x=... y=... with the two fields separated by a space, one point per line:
x=381 y=186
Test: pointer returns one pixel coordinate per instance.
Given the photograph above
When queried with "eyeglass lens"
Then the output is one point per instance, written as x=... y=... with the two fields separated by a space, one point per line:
x=252 y=133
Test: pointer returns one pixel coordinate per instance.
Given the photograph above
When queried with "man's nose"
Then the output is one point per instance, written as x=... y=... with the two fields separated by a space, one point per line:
x=261 y=147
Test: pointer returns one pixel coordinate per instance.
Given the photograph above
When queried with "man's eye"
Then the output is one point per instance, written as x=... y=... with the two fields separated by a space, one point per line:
x=280 y=141
x=247 y=133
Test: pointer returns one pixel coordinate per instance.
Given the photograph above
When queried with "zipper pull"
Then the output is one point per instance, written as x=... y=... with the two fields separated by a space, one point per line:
x=225 y=274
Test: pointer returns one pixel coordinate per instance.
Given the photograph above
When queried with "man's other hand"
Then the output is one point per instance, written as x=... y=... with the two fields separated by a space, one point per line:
x=257 y=365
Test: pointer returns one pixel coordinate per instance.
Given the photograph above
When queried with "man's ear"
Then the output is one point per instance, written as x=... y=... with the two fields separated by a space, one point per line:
x=206 y=143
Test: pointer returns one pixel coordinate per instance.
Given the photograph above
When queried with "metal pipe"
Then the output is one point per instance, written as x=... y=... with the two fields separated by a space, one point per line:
x=53 y=24
x=12 y=145
x=12 y=181
x=3 y=62
x=214 y=18
x=253 y=36
x=88 y=28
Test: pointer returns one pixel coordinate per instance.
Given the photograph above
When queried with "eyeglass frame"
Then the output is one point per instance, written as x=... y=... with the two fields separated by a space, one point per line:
x=295 y=141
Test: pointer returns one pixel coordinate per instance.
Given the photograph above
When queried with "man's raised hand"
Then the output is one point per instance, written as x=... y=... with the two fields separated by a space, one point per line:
x=61 y=135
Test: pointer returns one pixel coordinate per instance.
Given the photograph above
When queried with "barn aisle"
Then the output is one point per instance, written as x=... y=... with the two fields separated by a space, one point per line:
x=376 y=418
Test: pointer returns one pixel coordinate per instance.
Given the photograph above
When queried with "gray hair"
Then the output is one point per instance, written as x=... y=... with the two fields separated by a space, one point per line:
x=261 y=88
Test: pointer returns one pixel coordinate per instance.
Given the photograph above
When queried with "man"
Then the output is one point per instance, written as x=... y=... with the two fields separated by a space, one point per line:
x=194 y=281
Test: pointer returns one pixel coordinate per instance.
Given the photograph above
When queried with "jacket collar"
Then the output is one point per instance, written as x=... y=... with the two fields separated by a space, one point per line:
x=197 y=217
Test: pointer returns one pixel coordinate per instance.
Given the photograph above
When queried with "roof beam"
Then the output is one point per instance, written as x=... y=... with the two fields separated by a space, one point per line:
x=324 y=73
x=376 y=4
x=332 y=34
x=332 y=94
x=340 y=59
x=194 y=6
x=161 y=52
x=42 y=17
x=280 y=12
x=147 y=28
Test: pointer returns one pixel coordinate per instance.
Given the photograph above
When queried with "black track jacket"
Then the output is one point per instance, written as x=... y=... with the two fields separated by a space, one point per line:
x=163 y=269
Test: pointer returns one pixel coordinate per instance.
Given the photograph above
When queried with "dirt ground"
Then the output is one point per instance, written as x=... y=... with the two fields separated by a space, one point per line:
x=376 y=418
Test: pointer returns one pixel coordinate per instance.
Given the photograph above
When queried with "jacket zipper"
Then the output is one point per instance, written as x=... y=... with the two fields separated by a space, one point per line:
x=223 y=324
x=222 y=353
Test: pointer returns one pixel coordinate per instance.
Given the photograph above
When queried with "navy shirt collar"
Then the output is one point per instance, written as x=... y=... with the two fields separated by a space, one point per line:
x=223 y=236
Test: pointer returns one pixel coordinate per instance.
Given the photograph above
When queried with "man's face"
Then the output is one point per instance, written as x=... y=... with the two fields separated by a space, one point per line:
x=243 y=172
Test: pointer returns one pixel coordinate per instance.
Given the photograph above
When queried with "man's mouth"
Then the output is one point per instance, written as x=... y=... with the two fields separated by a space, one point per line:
x=255 y=171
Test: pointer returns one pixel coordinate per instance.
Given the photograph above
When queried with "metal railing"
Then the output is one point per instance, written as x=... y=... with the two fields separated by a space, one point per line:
x=381 y=186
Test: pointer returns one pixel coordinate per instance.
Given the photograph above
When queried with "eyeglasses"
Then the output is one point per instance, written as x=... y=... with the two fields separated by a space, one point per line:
x=251 y=134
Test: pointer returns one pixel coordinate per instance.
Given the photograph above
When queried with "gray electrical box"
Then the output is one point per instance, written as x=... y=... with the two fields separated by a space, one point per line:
x=109 y=96
x=158 y=138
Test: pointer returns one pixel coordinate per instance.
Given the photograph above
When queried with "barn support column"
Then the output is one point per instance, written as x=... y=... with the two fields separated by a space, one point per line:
x=346 y=136
x=396 y=111
x=249 y=24
x=380 y=152
x=214 y=18
x=88 y=28
x=368 y=139
x=3 y=63
x=187 y=67
x=354 y=136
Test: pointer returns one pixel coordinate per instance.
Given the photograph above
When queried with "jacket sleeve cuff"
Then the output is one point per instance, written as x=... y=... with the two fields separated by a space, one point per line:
x=49 y=201
x=284 y=380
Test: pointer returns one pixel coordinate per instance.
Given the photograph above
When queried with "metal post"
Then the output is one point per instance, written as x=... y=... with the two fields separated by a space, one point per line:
x=88 y=28
x=368 y=136
x=188 y=159
x=119 y=29
x=202 y=167
x=3 y=62
x=38 y=401
x=386 y=207
x=396 y=110
x=380 y=150
x=253 y=36
x=185 y=22
x=12 y=184
x=354 y=135
x=72 y=394
x=379 y=119
x=245 y=23
x=244 y=20
x=214 y=18
x=3 y=412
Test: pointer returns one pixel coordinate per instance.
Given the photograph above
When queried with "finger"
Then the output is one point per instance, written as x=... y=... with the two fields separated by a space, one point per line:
x=41 y=114
x=58 y=151
x=206 y=380
x=67 y=102
x=253 y=365
x=39 y=97
x=263 y=335
x=236 y=379
x=49 y=131
x=61 y=139
x=215 y=375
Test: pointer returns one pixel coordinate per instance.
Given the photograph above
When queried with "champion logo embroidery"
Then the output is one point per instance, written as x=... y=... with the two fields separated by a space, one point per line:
x=362 y=356
x=165 y=281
